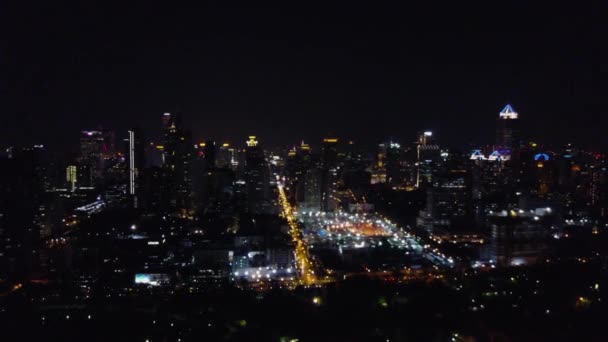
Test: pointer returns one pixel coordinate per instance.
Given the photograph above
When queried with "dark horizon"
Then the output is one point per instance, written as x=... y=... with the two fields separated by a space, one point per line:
x=290 y=73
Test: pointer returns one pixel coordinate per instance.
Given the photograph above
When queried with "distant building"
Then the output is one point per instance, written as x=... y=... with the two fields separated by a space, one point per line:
x=329 y=173
x=507 y=130
x=448 y=201
x=394 y=163
x=312 y=190
x=71 y=177
x=178 y=153
x=257 y=174
x=95 y=147
x=136 y=163
x=520 y=237
x=428 y=156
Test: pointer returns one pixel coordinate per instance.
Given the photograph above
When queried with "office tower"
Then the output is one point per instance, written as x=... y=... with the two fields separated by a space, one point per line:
x=312 y=190
x=178 y=152
x=299 y=160
x=90 y=159
x=329 y=173
x=394 y=163
x=507 y=130
x=257 y=175
x=71 y=177
x=210 y=153
x=379 y=167
x=427 y=158
x=225 y=156
x=599 y=189
x=520 y=237
x=448 y=201
x=329 y=157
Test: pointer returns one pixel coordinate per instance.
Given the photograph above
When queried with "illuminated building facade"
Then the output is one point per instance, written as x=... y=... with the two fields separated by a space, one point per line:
x=71 y=177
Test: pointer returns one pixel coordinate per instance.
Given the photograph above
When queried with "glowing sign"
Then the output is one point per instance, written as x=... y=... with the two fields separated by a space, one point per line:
x=428 y=134
x=500 y=155
x=252 y=142
x=508 y=113
x=541 y=157
x=477 y=155
x=330 y=140
x=153 y=279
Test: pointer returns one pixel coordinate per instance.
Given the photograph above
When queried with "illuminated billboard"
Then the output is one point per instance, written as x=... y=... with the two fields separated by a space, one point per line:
x=153 y=279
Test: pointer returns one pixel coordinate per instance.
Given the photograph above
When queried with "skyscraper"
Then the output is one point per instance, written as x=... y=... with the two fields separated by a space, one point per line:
x=507 y=130
x=257 y=175
x=393 y=163
x=177 y=155
x=90 y=159
x=329 y=173
x=427 y=156
x=312 y=190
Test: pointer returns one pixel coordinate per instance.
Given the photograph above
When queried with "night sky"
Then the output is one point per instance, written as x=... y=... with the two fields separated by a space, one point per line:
x=305 y=70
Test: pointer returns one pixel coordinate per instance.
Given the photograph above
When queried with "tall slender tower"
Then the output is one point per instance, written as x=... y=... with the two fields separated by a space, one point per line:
x=132 y=168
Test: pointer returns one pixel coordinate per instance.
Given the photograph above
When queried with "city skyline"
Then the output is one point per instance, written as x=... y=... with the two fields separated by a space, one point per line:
x=350 y=71
x=300 y=172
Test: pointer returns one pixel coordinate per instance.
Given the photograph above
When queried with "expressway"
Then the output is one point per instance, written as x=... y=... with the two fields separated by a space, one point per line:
x=303 y=259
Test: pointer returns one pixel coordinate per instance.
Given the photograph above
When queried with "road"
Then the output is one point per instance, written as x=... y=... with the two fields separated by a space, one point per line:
x=303 y=259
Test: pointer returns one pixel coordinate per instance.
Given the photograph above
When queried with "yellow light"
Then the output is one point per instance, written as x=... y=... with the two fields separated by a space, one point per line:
x=330 y=140
x=225 y=145
x=160 y=147
x=202 y=144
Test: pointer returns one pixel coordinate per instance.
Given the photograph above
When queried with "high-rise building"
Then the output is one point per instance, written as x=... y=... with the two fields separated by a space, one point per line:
x=428 y=156
x=520 y=237
x=448 y=201
x=178 y=152
x=210 y=154
x=507 y=130
x=394 y=163
x=71 y=177
x=90 y=160
x=329 y=157
x=312 y=190
x=257 y=174
x=329 y=173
